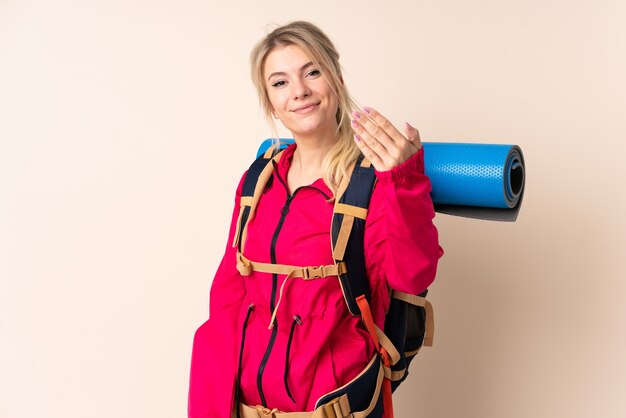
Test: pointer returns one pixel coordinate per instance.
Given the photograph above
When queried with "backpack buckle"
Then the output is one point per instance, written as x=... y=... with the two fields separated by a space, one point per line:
x=330 y=410
x=313 y=272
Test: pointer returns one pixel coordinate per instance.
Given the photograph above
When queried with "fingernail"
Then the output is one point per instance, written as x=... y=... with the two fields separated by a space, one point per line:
x=354 y=123
x=367 y=109
x=409 y=125
x=357 y=138
x=357 y=115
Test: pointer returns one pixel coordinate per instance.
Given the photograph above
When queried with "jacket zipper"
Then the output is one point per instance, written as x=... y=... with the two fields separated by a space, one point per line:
x=259 y=377
x=296 y=321
x=283 y=214
x=243 y=339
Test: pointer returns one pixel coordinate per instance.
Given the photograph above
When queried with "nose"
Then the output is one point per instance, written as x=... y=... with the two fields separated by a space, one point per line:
x=300 y=89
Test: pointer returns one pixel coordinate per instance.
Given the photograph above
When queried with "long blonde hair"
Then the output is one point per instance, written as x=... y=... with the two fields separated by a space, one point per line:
x=325 y=56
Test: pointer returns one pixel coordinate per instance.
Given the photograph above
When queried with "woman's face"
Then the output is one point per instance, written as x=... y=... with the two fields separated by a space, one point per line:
x=299 y=94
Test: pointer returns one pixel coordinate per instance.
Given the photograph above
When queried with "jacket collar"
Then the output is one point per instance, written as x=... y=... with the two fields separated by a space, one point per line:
x=285 y=163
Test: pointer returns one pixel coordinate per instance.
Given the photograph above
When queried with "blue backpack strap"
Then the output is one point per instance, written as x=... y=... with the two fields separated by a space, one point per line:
x=348 y=229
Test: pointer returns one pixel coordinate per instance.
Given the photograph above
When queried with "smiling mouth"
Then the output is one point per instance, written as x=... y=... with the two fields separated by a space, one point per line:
x=306 y=109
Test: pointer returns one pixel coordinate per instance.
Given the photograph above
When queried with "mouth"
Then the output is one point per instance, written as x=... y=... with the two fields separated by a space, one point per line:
x=306 y=108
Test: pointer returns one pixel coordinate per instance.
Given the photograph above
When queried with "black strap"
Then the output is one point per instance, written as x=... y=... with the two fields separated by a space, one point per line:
x=354 y=282
x=249 y=185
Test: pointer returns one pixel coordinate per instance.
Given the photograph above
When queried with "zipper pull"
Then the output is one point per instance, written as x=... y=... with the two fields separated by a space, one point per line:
x=285 y=210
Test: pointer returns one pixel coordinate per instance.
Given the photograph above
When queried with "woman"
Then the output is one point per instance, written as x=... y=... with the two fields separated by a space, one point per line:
x=284 y=345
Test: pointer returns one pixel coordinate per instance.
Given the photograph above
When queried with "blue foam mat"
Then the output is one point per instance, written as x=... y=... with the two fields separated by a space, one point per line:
x=481 y=181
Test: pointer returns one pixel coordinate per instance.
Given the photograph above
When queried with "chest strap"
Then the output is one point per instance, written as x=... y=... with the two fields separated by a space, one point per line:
x=246 y=267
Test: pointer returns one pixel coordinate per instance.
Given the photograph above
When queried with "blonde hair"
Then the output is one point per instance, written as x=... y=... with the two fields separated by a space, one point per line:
x=325 y=56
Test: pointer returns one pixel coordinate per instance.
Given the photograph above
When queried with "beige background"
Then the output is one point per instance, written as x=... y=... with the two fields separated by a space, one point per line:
x=124 y=128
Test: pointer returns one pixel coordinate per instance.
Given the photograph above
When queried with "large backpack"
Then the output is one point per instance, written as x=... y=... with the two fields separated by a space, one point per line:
x=409 y=320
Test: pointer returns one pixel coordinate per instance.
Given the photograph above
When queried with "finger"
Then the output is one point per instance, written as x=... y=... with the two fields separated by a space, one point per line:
x=412 y=135
x=372 y=142
x=372 y=156
x=373 y=129
x=385 y=124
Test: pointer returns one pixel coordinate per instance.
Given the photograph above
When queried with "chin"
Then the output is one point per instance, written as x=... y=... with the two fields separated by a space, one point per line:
x=309 y=128
x=307 y=132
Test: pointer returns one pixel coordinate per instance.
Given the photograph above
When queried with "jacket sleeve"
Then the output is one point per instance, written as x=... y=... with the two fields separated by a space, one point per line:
x=227 y=289
x=401 y=241
x=213 y=359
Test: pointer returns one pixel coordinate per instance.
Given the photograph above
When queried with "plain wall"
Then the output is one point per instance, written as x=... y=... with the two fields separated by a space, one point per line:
x=125 y=126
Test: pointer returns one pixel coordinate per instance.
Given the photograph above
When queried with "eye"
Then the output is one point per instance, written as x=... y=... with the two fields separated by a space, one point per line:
x=278 y=83
x=314 y=73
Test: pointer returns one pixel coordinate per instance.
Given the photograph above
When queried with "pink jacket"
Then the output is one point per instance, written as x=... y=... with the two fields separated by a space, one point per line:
x=325 y=347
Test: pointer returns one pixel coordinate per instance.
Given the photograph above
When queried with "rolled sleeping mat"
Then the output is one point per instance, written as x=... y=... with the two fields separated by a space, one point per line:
x=480 y=181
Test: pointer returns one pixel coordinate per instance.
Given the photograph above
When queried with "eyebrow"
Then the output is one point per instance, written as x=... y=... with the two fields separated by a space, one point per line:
x=283 y=73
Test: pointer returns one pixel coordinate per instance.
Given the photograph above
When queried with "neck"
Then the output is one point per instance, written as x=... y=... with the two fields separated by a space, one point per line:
x=309 y=155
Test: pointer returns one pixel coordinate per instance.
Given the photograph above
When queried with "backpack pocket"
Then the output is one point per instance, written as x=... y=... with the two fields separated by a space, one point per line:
x=408 y=325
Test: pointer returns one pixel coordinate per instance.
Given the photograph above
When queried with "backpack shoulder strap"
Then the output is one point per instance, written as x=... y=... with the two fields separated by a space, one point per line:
x=348 y=228
x=257 y=178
